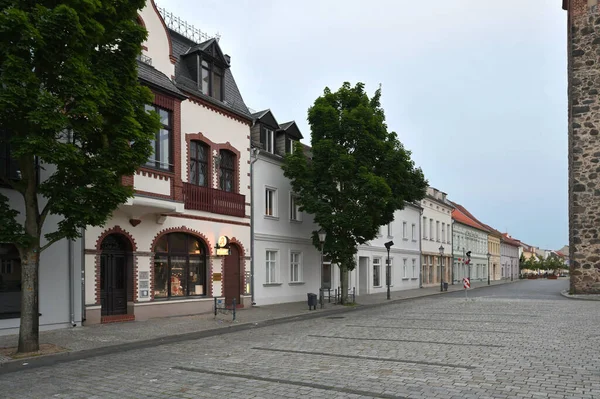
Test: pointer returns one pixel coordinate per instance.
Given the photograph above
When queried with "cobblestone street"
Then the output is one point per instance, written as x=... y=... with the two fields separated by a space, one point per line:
x=508 y=341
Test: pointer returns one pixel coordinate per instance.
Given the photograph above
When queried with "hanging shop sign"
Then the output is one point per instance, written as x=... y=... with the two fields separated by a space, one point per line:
x=223 y=246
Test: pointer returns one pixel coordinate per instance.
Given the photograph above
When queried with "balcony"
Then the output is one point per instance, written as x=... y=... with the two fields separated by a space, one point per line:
x=207 y=199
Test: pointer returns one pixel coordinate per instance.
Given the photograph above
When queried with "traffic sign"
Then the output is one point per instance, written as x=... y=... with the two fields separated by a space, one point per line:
x=466 y=283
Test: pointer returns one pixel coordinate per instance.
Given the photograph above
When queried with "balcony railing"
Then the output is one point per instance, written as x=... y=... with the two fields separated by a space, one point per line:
x=207 y=199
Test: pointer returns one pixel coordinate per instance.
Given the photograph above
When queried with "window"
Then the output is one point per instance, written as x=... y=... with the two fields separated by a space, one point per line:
x=414 y=232
x=404 y=270
x=271 y=267
x=389 y=230
x=270 y=204
x=414 y=268
x=431 y=229
x=211 y=82
x=295 y=275
x=227 y=171
x=437 y=231
x=199 y=173
x=179 y=266
x=289 y=145
x=376 y=272
x=294 y=209
x=424 y=228
x=404 y=232
x=443 y=232
x=9 y=167
x=161 y=145
x=267 y=139
x=449 y=239
x=10 y=282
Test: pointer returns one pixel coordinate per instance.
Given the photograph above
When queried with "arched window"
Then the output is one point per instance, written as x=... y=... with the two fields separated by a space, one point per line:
x=179 y=266
x=199 y=173
x=10 y=282
x=227 y=171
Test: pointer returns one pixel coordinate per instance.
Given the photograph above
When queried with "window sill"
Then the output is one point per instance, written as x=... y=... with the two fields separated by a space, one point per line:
x=295 y=221
x=414 y=240
x=389 y=236
x=405 y=279
x=297 y=283
x=271 y=217
x=378 y=286
x=168 y=172
x=414 y=278
x=405 y=239
x=272 y=284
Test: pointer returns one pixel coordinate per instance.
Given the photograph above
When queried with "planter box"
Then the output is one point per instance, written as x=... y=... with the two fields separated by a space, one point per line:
x=552 y=277
x=532 y=278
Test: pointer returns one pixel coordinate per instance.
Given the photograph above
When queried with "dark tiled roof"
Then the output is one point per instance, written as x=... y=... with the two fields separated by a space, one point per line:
x=259 y=114
x=232 y=99
x=285 y=125
x=154 y=77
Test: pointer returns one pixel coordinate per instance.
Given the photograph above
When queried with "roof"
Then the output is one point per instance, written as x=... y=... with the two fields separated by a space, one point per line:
x=292 y=129
x=155 y=78
x=492 y=230
x=232 y=98
x=510 y=241
x=459 y=215
x=565 y=4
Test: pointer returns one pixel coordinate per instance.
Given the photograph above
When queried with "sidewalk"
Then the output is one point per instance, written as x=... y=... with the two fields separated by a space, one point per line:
x=109 y=338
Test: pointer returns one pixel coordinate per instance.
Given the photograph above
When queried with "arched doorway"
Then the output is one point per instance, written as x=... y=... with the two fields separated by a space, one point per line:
x=232 y=275
x=179 y=266
x=116 y=278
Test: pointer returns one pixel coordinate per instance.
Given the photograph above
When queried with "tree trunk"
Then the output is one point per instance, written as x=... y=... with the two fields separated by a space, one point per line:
x=344 y=284
x=30 y=323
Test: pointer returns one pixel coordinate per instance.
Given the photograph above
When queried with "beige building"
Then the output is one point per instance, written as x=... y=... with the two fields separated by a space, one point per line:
x=494 y=239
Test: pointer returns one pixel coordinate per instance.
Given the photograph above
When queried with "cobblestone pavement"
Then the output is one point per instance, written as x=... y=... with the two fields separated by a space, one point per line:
x=516 y=342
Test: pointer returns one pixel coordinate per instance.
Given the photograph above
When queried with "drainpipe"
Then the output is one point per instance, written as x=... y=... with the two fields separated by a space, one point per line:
x=82 y=275
x=253 y=158
x=70 y=279
x=420 y=251
x=452 y=243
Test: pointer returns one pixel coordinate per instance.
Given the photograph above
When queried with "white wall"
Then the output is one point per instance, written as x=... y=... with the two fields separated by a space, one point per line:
x=474 y=240
x=158 y=40
x=441 y=214
x=509 y=253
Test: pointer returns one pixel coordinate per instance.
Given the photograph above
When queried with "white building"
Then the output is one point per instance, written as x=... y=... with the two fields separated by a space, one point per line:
x=471 y=236
x=369 y=276
x=185 y=236
x=509 y=257
x=436 y=236
x=286 y=263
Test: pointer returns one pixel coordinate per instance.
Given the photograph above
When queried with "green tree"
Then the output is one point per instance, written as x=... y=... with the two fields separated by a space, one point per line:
x=72 y=111
x=359 y=173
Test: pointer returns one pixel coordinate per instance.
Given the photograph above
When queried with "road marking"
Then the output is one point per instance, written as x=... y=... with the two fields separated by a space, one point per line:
x=405 y=340
x=379 y=359
x=457 y=320
x=475 y=314
x=433 y=329
x=290 y=382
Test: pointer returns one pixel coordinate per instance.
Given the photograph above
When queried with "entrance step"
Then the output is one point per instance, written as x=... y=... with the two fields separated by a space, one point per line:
x=117 y=318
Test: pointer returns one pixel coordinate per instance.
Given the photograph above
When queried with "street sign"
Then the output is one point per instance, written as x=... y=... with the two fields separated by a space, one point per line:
x=466 y=283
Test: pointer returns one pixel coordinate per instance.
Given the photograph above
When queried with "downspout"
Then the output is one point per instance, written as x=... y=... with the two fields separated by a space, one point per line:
x=70 y=279
x=420 y=250
x=253 y=158
x=82 y=275
x=452 y=243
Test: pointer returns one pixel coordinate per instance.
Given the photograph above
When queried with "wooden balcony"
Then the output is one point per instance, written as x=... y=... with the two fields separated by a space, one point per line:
x=212 y=200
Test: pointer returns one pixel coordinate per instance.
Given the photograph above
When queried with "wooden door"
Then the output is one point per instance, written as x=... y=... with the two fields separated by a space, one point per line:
x=232 y=276
x=113 y=283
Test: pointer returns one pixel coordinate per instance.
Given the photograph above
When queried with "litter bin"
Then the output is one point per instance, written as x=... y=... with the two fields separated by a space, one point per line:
x=445 y=286
x=312 y=301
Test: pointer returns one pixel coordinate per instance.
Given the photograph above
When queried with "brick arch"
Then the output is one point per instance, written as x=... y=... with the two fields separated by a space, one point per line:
x=116 y=230
x=235 y=241
x=243 y=282
x=182 y=229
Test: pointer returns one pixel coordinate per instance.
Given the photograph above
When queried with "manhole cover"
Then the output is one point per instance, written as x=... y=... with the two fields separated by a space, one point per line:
x=336 y=317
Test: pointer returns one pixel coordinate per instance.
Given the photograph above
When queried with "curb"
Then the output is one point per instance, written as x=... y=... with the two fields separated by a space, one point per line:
x=580 y=297
x=64 y=357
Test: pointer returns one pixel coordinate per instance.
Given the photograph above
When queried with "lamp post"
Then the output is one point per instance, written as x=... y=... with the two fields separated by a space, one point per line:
x=441 y=268
x=511 y=268
x=322 y=235
x=488 y=256
x=388 y=274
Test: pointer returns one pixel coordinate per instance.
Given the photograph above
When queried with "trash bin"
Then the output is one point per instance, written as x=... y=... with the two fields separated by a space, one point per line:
x=312 y=301
x=445 y=286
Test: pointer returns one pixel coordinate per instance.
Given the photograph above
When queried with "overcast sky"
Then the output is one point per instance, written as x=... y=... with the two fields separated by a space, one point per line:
x=475 y=89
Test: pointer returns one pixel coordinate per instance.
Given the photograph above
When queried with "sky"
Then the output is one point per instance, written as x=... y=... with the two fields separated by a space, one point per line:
x=477 y=90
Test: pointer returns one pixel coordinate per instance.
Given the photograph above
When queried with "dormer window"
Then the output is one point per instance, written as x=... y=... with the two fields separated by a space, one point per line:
x=267 y=139
x=211 y=80
x=289 y=145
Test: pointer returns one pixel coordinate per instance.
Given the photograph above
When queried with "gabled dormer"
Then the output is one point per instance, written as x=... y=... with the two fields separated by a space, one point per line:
x=206 y=64
x=264 y=130
x=287 y=134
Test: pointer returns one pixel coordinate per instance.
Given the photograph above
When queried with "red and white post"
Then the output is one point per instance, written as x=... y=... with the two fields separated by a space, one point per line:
x=466 y=284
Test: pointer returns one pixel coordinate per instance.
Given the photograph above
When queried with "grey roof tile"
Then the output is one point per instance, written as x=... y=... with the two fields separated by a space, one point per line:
x=154 y=77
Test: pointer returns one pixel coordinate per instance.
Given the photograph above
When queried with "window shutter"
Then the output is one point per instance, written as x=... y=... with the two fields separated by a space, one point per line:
x=263 y=137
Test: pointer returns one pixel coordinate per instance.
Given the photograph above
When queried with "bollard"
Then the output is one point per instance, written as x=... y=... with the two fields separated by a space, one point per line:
x=233 y=309
x=215 y=307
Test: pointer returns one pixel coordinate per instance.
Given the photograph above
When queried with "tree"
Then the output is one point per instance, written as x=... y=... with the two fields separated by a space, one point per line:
x=358 y=176
x=72 y=112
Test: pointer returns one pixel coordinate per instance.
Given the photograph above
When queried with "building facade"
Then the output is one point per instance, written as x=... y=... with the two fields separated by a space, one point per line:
x=185 y=236
x=436 y=238
x=471 y=236
x=583 y=45
x=496 y=268
x=369 y=276
x=286 y=261
x=509 y=257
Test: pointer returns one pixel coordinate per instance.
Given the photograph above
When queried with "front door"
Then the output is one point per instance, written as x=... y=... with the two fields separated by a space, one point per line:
x=113 y=283
x=232 y=276
x=326 y=276
x=363 y=275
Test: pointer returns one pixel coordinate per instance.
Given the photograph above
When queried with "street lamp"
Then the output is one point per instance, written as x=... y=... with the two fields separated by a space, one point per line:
x=441 y=269
x=388 y=276
x=511 y=269
x=322 y=235
x=488 y=256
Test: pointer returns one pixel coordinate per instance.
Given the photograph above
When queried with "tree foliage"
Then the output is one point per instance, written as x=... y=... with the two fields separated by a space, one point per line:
x=70 y=102
x=359 y=173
